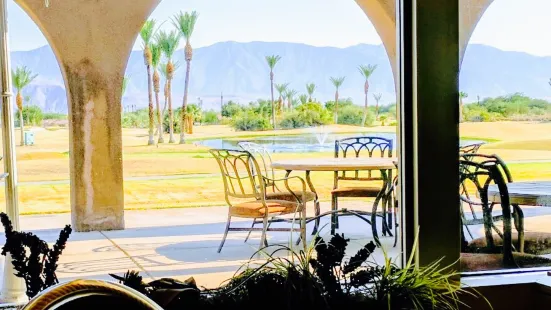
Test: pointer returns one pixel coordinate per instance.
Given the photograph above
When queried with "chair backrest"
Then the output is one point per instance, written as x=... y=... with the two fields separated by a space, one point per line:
x=90 y=294
x=238 y=173
x=470 y=148
x=481 y=171
x=364 y=146
x=262 y=156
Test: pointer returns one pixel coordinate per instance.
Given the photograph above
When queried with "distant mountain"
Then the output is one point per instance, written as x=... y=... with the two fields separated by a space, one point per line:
x=239 y=71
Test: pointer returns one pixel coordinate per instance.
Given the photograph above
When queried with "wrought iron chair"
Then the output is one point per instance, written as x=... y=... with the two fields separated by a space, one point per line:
x=245 y=193
x=481 y=171
x=90 y=294
x=273 y=191
x=357 y=147
x=470 y=148
x=394 y=207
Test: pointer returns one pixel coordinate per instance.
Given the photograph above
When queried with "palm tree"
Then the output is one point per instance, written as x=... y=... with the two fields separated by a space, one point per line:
x=185 y=23
x=272 y=62
x=377 y=98
x=147 y=32
x=337 y=82
x=461 y=96
x=310 y=89
x=289 y=95
x=169 y=41
x=303 y=99
x=281 y=89
x=21 y=77
x=366 y=72
x=155 y=61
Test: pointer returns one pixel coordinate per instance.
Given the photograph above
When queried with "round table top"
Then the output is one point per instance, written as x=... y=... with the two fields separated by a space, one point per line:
x=533 y=193
x=336 y=164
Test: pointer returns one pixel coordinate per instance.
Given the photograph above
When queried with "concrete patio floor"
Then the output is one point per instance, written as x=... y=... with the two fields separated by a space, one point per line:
x=177 y=243
x=181 y=243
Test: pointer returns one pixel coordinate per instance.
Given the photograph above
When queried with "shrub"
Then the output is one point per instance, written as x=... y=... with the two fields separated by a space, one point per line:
x=351 y=115
x=55 y=116
x=138 y=119
x=249 y=121
x=306 y=115
x=32 y=116
x=292 y=120
x=210 y=117
x=231 y=109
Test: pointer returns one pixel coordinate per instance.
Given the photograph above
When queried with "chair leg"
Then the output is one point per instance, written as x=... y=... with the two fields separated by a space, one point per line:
x=225 y=234
x=333 y=216
x=263 y=241
x=303 y=227
x=518 y=217
x=317 y=213
x=250 y=231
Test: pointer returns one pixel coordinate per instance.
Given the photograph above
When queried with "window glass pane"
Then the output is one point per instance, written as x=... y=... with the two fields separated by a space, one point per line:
x=505 y=88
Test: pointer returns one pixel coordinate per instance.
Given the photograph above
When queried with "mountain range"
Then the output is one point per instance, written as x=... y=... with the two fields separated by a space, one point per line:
x=239 y=72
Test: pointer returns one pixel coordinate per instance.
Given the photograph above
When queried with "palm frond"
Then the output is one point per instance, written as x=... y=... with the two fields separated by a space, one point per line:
x=162 y=68
x=185 y=23
x=281 y=88
x=367 y=70
x=272 y=60
x=337 y=81
x=168 y=42
x=156 y=54
x=22 y=77
x=148 y=31
x=290 y=93
x=377 y=96
x=310 y=88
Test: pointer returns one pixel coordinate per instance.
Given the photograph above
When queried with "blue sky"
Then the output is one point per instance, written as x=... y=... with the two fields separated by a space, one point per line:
x=514 y=25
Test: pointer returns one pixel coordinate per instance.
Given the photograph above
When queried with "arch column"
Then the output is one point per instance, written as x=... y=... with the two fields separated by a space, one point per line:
x=92 y=41
x=382 y=14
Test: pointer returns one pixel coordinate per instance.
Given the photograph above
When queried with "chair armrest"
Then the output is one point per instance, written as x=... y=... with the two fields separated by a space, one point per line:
x=286 y=182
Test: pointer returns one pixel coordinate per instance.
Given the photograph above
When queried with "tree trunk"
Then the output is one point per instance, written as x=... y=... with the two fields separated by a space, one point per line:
x=21 y=125
x=151 y=140
x=170 y=114
x=184 y=105
x=289 y=104
x=337 y=107
x=364 y=119
x=460 y=109
x=377 y=110
x=273 y=105
x=159 y=119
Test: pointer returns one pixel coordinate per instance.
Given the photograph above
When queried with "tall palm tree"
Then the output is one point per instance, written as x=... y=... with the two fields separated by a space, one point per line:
x=22 y=77
x=377 y=98
x=366 y=72
x=147 y=32
x=337 y=82
x=272 y=62
x=289 y=95
x=185 y=23
x=462 y=95
x=303 y=99
x=155 y=62
x=281 y=89
x=169 y=41
x=310 y=89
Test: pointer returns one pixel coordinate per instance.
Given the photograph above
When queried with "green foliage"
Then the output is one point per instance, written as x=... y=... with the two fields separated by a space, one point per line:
x=22 y=77
x=353 y=115
x=330 y=105
x=367 y=70
x=32 y=116
x=138 y=119
x=148 y=31
x=319 y=277
x=511 y=107
x=272 y=61
x=306 y=115
x=337 y=82
x=210 y=118
x=54 y=116
x=250 y=121
x=231 y=109
x=185 y=23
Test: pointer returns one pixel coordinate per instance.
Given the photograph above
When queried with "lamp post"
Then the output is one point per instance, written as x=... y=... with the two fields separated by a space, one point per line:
x=12 y=287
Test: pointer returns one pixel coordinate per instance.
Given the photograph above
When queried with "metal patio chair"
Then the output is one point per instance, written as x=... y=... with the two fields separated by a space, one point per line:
x=359 y=147
x=273 y=191
x=479 y=172
x=470 y=148
x=245 y=194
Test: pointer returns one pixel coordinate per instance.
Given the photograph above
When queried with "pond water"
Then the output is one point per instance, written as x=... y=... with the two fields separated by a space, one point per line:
x=310 y=142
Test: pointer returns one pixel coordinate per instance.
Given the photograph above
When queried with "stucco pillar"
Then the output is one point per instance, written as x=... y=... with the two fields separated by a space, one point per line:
x=92 y=41
x=382 y=14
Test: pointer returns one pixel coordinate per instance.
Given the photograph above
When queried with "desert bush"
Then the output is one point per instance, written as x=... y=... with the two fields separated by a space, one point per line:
x=210 y=118
x=250 y=121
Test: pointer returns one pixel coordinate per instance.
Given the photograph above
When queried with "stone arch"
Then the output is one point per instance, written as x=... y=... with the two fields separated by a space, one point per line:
x=92 y=41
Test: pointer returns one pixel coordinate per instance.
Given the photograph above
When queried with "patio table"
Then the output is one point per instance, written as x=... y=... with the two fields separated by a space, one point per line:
x=532 y=193
x=383 y=164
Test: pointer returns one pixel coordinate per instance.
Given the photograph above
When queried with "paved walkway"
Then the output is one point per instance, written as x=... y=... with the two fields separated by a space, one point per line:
x=182 y=242
x=172 y=243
